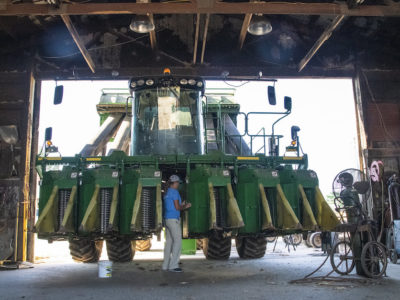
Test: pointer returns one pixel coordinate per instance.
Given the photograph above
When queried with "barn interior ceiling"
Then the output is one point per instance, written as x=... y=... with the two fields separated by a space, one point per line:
x=87 y=38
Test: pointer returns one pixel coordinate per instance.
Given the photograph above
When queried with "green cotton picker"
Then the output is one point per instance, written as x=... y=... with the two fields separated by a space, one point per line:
x=239 y=185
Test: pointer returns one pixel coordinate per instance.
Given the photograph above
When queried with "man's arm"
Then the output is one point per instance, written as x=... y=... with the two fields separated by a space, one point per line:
x=182 y=206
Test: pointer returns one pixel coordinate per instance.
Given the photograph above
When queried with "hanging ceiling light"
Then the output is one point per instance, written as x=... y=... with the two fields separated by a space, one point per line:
x=141 y=24
x=259 y=25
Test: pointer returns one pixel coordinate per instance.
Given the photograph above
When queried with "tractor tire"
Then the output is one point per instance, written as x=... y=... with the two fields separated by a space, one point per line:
x=143 y=245
x=120 y=250
x=85 y=250
x=251 y=247
x=199 y=244
x=218 y=248
x=297 y=239
x=316 y=240
x=307 y=241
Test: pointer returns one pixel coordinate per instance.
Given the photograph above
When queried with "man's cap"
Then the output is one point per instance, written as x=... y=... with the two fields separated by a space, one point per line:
x=174 y=178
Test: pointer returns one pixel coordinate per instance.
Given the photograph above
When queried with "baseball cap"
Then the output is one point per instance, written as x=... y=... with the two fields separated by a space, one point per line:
x=174 y=178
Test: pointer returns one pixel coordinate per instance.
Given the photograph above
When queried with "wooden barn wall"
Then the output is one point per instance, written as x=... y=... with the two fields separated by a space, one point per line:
x=380 y=93
x=16 y=108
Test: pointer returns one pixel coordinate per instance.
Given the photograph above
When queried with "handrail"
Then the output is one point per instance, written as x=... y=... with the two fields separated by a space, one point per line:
x=221 y=134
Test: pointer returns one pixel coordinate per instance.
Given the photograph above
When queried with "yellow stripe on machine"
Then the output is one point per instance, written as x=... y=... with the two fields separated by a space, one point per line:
x=93 y=159
x=293 y=158
x=54 y=158
x=248 y=158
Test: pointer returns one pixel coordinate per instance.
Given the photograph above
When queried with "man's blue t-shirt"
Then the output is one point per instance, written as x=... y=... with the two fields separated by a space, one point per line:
x=170 y=211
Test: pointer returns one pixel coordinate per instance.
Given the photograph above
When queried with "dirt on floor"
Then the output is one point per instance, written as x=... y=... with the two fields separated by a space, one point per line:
x=55 y=276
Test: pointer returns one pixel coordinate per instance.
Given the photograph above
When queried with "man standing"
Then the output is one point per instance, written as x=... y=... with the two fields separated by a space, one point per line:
x=173 y=206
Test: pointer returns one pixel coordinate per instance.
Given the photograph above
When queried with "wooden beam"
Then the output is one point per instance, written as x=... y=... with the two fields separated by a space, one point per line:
x=272 y=8
x=78 y=41
x=322 y=39
x=196 y=38
x=153 y=39
x=243 y=31
x=236 y=72
x=203 y=49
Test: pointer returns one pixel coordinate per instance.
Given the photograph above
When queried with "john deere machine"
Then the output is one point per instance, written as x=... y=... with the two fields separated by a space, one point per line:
x=112 y=191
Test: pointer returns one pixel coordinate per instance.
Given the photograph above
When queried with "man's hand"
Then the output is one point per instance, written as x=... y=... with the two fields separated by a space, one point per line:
x=181 y=206
x=186 y=205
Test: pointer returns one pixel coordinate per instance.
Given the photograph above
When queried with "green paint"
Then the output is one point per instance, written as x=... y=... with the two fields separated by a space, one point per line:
x=189 y=246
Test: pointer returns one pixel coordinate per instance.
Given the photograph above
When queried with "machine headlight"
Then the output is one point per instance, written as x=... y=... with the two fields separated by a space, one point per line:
x=149 y=82
x=133 y=84
x=200 y=84
x=140 y=82
x=157 y=174
x=225 y=172
x=183 y=81
x=192 y=81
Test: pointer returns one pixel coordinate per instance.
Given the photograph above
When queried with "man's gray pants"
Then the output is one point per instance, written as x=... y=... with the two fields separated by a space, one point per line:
x=173 y=244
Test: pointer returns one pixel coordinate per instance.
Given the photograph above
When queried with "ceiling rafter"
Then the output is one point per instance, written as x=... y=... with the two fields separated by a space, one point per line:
x=321 y=40
x=243 y=31
x=78 y=41
x=203 y=49
x=153 y=39
x=196 y=38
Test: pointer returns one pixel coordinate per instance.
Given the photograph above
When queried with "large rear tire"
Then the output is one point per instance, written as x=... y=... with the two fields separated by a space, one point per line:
x=143 y=245
x=85 y=250
x=120 y=250
x=217 y=247
x=251 y=247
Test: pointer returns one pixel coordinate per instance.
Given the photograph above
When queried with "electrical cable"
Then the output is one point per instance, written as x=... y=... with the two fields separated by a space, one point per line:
x=99 y=47
x=235 y=86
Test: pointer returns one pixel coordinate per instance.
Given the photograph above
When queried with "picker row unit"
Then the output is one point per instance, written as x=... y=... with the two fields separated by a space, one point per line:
x=169 y=127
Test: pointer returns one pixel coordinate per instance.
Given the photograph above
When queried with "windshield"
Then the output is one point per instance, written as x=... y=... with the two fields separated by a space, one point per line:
x=167 y=120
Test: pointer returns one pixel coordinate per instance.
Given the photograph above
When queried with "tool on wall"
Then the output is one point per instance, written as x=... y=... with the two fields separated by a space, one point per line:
x=9 y=135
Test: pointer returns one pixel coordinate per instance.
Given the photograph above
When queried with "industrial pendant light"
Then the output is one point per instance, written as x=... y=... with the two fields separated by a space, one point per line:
x=141 y=24
x=259 y=25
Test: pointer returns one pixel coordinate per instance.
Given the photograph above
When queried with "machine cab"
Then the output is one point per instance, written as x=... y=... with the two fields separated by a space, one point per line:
x=167 y=115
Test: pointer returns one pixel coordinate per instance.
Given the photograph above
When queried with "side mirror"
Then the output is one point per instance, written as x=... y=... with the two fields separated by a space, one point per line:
x=288 y=103
x=48 y=134
x=271 y=95
x=294 y=130
x=58 y=94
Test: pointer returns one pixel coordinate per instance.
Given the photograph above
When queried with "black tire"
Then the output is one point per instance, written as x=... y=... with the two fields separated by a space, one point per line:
x=120 y=250
x=85 y=250
x=217 y=247
x=307 y=241
x=297 y=239
x=143 y=245
x=251 y=247
x=316 y=240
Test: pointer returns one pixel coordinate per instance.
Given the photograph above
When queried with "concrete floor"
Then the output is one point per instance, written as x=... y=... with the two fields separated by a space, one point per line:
x=59 y=278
